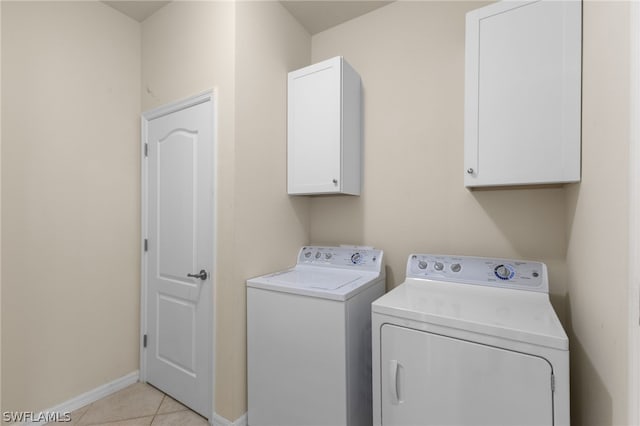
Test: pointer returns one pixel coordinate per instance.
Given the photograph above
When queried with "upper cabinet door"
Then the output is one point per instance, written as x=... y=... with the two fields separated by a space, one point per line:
x=523 y=93
x=323 y=135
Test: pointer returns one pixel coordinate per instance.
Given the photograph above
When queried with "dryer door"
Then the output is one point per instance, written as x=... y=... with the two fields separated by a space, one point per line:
x=428 y=379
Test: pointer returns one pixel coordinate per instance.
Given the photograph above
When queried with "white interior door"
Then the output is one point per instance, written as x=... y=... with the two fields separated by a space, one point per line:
x=427 y=379
x=178 y=357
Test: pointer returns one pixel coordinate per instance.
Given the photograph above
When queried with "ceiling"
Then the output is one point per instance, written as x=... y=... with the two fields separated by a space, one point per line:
x=314 y=15
x=138 y=10
x=317 y=16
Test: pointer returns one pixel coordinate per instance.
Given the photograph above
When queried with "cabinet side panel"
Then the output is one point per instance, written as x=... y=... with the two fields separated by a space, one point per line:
x=352 y=143
x=290 y=148
x=572 y=94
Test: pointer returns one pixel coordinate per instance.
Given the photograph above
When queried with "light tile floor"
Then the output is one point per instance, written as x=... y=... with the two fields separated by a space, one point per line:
x=136 y=405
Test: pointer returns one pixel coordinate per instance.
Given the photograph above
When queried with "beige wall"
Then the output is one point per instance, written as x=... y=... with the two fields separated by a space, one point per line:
x=1 y=207
x=70 y=108
x=244 y=50
x=270 y=226
x=188 y=47
x=410 y=56
x=70 y=184
x=597 y=218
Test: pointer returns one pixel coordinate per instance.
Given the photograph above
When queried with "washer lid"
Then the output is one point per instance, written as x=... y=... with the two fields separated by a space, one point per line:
x=313 y=281
x=511 y=314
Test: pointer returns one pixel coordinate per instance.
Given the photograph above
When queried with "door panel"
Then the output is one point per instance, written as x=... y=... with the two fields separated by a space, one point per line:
x=177 y=176
x=523 y=93
x=175 y=347
x=314 y=139
x=429 y=379
x=180 y=219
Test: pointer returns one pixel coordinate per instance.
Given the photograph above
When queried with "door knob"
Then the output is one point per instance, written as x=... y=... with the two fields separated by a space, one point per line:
x=202 y=275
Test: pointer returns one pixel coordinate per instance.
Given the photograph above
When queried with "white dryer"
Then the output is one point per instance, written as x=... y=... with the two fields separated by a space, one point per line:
x=309 y=339
x=469 y=341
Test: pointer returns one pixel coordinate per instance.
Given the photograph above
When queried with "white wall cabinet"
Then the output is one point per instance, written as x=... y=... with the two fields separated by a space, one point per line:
x=523 y=93
x=324 y=129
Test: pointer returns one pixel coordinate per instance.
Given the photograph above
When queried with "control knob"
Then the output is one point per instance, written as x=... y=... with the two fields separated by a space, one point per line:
x=422 y=264
x=438 y=266
x=356 y=258
x=456 y=267
x=502 y=272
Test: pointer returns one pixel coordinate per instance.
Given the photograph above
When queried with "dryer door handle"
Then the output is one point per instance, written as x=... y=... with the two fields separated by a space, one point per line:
x=394 y=368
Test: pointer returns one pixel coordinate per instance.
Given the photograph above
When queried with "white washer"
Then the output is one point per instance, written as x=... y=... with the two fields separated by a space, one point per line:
x=469 y=341
x=309 y=339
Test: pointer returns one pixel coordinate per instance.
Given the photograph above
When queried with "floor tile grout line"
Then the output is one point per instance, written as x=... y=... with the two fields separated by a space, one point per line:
x=121 y=420
x=153 y=416
x=164 y=396
x=84 y=412
x=134 y=417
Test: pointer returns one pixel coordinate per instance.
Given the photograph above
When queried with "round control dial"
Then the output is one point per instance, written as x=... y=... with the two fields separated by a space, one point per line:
x=504 y=272
x=422 y=264
x=456 y=267
x=438 y=266
x=356 y=258
x=318 y=254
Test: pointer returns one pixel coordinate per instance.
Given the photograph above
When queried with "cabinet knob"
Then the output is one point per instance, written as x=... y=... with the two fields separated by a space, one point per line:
x=335 y=181
x=470 y=171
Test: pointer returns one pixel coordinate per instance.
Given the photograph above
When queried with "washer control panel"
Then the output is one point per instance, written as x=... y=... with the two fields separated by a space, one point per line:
x=352 y=257
x=492 y=272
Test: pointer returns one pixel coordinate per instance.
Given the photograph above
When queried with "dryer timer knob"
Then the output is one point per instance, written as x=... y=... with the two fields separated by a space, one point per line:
x=502 y=272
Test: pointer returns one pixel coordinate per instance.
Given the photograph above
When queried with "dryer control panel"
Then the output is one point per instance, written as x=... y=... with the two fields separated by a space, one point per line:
x=492 y=272
x=351 y=257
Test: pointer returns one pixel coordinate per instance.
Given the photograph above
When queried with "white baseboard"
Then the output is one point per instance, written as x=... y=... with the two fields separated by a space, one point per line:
x=113 y=387
x=89 y=396
x=218 y=420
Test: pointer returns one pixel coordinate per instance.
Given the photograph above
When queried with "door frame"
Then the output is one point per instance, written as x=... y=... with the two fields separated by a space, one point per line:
x=145 y=118
x=634 y=221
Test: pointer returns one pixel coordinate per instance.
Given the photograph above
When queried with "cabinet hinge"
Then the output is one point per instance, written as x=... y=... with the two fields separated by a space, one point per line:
x=553 y=383
x=146 y=245
x=144 y=341
x=146 y=149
